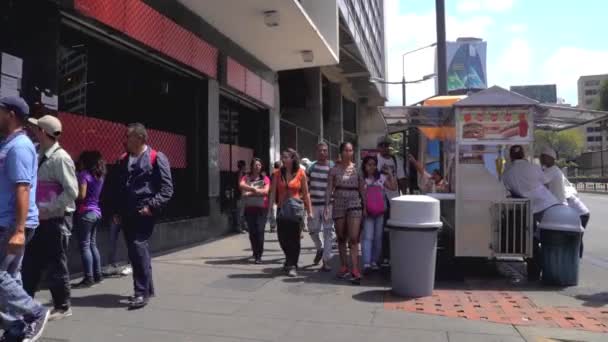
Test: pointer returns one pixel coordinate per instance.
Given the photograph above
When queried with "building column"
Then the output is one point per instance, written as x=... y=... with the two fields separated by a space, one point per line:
x=314 y=104
x=334 y=130
x=275 y=127
x=213 y=133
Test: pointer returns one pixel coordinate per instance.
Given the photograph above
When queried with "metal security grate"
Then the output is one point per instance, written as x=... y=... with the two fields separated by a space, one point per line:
x=81 y=133
x=513 y=228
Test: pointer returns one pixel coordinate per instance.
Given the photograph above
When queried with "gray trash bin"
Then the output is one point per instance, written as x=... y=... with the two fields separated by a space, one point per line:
x=413 y=224
x=560 y=238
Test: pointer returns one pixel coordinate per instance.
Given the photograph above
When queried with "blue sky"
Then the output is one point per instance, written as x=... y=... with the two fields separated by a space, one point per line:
x=529 y=41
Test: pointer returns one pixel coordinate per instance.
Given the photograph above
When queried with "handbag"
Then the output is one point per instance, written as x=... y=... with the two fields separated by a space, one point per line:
x=292 y=209
x=254 y=201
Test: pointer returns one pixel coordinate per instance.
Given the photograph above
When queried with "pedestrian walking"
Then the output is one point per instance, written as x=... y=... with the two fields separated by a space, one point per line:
x=238 y=212
x=21 y=317
x=376 y=185
x=389 y=163
x=142 y=188
x=272 y=217
x=91 y=175
x=255 y=188
x=290 y=188
x=56 y=193
x=318 y=174
x=346 y=186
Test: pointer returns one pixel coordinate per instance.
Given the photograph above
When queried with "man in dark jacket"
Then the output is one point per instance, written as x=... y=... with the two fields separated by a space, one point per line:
x=141 y=188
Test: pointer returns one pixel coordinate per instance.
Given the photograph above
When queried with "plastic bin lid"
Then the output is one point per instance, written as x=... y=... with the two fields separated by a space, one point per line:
x=414 y=211
x=561 y=218
x=392 y=224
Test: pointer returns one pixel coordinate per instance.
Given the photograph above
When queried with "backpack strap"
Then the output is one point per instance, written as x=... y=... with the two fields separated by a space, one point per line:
x=153 y=155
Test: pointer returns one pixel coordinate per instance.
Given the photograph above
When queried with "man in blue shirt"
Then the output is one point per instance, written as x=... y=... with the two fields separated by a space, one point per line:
x=21 y=317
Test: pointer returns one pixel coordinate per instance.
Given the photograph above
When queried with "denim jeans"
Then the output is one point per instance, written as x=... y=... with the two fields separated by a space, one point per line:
x=86 y=230
x=138 y=230
x=373 y=228
x=14 y=301
x=256 y=223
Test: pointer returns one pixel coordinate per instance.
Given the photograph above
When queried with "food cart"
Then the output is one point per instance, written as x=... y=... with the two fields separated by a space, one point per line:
x=481 y=220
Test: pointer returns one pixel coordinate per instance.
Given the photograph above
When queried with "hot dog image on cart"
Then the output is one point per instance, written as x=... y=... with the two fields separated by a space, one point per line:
x=483 y=215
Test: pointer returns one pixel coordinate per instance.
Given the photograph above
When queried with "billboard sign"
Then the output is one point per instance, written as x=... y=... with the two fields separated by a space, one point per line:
x=512 y=125
x=466 y=59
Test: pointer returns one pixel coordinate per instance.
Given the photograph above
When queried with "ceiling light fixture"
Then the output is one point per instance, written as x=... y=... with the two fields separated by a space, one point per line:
x=308 y=56
x=271 y=18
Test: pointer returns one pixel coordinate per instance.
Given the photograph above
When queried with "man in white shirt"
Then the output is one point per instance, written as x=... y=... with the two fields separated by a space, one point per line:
x=388 y=163
x=526 y=180
x=553 y=175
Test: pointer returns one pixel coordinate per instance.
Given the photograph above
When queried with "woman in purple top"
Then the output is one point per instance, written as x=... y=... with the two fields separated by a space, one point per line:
x=92 y=170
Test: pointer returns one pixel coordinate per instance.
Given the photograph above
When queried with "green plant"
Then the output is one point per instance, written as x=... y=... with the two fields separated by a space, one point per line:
x=567 y=144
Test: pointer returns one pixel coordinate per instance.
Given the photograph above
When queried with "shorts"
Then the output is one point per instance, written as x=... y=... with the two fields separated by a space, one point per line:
x=347 y=206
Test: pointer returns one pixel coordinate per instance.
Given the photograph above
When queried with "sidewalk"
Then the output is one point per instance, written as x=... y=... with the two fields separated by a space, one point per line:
x=211 y=293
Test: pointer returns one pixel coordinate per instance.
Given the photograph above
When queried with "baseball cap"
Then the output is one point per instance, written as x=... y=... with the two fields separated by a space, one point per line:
x=385 y=140
x=549 y=152
x=16 y=104
x=49 y=124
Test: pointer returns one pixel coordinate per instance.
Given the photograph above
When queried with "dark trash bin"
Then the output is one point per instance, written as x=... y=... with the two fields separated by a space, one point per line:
x=560 y=238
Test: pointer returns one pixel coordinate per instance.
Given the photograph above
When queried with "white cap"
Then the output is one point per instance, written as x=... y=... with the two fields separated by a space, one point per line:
x=49 y=124
x=549 y=152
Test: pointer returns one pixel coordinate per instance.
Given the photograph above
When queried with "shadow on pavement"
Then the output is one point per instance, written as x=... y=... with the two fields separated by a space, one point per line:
x=267 y=273
x=230 y=261
x=372 y=296
x=107 y=301
x=596 y=300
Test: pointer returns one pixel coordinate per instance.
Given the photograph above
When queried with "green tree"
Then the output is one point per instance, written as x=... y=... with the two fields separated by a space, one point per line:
x=567 y=144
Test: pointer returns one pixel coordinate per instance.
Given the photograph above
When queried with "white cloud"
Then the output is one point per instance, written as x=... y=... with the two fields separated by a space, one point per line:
x=513 y=66
x=517 y=28
x=468 y=6
x=567 y=64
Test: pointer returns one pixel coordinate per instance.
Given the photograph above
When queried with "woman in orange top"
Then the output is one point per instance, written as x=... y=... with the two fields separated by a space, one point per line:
x=290 y=182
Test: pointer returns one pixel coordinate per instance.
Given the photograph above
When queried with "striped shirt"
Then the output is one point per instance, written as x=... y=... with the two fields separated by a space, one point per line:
x=318 y=177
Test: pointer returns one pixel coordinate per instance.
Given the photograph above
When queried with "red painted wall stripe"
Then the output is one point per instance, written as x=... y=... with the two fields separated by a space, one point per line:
x=148 y=26
x=81 y=133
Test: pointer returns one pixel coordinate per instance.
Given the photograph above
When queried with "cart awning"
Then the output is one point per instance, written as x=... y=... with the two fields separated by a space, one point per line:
x=559 y=118
x=398 y=118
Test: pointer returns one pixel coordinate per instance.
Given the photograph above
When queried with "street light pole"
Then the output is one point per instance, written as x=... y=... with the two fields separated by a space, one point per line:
x=403 y=91
x=403 y=81
x=442 y=64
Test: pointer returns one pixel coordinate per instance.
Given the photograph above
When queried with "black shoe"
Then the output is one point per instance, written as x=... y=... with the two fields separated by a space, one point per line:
x=34 y=330
x=138 y=303
x=98 y=280
x=318 y=257
x=258 y=261
x=84 y=284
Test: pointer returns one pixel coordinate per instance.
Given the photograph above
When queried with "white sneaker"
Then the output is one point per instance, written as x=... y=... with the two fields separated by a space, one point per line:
x=127 y=270
x=375 y=266
x=58 y=314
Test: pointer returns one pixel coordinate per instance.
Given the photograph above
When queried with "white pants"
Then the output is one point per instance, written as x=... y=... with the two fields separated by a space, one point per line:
x=318 y=224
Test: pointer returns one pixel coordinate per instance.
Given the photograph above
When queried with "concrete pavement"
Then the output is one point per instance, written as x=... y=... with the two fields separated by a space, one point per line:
x=212 y=293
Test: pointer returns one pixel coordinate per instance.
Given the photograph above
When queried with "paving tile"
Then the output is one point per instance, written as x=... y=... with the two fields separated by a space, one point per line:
x=471 y=337
x=406 y=320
